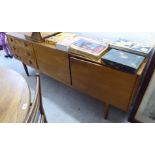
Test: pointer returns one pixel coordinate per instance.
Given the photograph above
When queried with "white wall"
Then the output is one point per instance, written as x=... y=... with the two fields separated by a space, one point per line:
x=135 y=36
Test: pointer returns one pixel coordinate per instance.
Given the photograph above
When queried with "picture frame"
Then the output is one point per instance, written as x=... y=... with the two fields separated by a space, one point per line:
x=143 y=110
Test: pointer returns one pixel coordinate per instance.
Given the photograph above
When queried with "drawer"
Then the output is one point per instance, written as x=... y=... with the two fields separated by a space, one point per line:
x=14 y=49
x=11 y=40
x=24 y=56
x=28 y=53
x=17 y=57
x=26 y=45
x=20 y=43
x=30 y=62
x=106 y=84
x=25 y=52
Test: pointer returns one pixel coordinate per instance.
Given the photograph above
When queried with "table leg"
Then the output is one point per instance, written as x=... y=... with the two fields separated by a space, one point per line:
x=26 y=70
x=106 y=110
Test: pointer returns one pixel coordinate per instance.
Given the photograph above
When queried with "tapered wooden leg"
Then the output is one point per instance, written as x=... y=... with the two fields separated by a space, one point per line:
x=26 y=70
x=106 y=110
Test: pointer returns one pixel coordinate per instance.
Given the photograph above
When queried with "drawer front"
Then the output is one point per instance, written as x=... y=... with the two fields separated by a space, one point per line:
x=54 y=63
x=20 y=43
x=23 y=51
x=20 y=47
x=14 y=49
x=29 y=62
x=11 y=40
x=17 y=57
x=25 y=45
x=106 y=84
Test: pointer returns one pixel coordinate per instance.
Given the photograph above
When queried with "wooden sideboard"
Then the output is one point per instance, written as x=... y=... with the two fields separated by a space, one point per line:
x=111 y=86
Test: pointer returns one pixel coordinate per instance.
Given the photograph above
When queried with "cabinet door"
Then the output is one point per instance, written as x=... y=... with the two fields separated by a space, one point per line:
x=108 y=85
x=53 y=62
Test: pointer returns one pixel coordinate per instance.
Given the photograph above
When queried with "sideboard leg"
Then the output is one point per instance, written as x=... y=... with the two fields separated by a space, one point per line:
x=106 y=110
x=26 y=70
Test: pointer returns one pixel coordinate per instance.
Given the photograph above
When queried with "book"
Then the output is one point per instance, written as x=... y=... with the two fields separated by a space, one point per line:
x=132 y=47
x=64 y=45
x=60 y=37
x=88 y=48
x=122 y=60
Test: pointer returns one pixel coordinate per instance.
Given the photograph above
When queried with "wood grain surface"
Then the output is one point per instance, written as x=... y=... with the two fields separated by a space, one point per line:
x=53 y=62
x=14 y=96
x=23 y=50
x=110 y=86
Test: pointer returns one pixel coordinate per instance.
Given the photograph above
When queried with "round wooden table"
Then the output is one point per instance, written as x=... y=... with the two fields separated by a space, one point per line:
x=14 y=96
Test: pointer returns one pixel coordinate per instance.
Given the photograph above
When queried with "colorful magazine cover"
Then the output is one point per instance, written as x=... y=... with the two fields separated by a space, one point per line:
x=133 y=47
x=92 y=47
x=64 y=36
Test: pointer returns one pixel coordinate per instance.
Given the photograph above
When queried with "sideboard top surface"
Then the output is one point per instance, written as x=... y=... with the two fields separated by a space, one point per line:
x=21 y=35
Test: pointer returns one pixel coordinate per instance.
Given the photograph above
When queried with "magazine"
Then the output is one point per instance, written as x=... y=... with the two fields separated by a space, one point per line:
x=132 y=47
x=88 y=48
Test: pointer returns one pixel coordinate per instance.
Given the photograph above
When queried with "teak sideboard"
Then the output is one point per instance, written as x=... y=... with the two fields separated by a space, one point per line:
x=111 y=86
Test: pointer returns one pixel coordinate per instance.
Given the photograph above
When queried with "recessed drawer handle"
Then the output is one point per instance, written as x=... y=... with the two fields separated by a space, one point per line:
x=25 y=44
x=30 y=62
x=17 y=56
x=28 y=54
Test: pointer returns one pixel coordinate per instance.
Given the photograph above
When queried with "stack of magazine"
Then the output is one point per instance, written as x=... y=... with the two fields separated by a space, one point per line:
x=122 y=60
x=88 y=48
x=64 y=36
x=132 y=47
